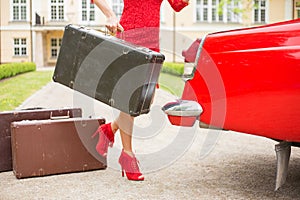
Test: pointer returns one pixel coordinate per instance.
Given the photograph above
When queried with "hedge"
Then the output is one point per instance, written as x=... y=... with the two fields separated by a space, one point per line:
x=176 y=69
x=12 y=69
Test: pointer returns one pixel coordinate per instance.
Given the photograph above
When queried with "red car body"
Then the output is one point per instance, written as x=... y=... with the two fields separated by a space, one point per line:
x=248 y=80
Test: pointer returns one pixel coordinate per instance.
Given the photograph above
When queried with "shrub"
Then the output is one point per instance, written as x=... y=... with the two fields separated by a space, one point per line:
x=12 y=69
x=176 y=69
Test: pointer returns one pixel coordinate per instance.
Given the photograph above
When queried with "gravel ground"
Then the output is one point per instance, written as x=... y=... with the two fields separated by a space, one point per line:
x=178 y=163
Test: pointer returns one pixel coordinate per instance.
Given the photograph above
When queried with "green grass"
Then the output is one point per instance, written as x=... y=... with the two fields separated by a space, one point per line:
x=176 y=69
x=14 y=91
x=171 y=83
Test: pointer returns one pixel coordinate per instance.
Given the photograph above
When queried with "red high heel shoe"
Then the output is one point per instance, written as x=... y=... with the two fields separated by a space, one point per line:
x=106 y=138
x=130 y=166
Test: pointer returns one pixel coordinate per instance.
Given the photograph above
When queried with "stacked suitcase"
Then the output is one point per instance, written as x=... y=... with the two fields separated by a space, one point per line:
x=48 y=141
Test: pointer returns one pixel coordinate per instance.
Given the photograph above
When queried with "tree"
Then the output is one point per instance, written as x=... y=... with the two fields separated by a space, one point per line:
x=245 y=8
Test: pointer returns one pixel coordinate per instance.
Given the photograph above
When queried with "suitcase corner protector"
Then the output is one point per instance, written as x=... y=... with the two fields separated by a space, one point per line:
x=17 y=175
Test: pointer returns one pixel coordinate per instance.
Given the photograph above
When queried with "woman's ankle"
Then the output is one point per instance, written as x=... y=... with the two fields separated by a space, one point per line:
x=114 y=127
x=129 y=152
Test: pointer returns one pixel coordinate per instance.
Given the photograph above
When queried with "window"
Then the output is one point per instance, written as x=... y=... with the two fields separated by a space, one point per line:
x=233 y=8
x=218 y=11
x=260 y=11
x=297 y=9
x=20 y=47
x=55 y=45
x=88 y=11
x=57 y=10
x=117 y=6
x=19 y=10
x=92 y=12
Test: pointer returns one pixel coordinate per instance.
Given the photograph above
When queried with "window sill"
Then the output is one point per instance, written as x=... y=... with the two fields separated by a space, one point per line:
x=18 y=21
x=225 y=23
x=53 y=58
x=22 y=56
x=57 y=20
x=259 y=23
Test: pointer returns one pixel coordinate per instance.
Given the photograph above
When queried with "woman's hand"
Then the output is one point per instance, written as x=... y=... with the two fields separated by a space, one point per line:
x=112 y=22
x=113 y=25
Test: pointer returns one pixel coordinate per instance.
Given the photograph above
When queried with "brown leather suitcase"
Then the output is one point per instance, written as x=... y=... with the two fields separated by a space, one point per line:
x=111 y=70
x=48 y=147
x=29 y=114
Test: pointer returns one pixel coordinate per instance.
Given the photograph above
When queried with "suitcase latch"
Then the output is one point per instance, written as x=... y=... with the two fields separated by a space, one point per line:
x=60 y=117
x=111 y=102
x=83 y=35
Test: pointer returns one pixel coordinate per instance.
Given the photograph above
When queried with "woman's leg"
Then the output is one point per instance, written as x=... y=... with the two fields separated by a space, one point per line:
x=125 y=124
x=127 y=160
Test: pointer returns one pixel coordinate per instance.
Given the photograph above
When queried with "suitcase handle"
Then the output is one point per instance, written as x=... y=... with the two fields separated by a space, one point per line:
x=106 y=32
x=60 y=117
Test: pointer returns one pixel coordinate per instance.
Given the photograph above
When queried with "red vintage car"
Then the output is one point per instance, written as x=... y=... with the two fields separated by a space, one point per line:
x=246 y=80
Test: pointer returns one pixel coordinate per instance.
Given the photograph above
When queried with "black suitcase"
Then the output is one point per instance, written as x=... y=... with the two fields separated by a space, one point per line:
x=6 y=118
x=48 y=147
x=108 y=69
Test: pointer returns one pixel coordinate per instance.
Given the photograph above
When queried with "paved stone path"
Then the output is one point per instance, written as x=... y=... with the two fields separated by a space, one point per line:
x=192 y=163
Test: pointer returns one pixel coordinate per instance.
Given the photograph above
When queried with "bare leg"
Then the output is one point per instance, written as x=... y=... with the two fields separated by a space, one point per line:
x=125 y=124
x=127 y=160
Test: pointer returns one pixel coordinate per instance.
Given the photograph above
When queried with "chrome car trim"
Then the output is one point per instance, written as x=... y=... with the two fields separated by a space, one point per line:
x=191 y=76
x=183 y=108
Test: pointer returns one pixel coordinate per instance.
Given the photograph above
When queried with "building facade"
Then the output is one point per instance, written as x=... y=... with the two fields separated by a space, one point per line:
x=32 y=30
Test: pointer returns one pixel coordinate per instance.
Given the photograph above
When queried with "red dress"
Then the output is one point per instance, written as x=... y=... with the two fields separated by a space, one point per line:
x=141 y=19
